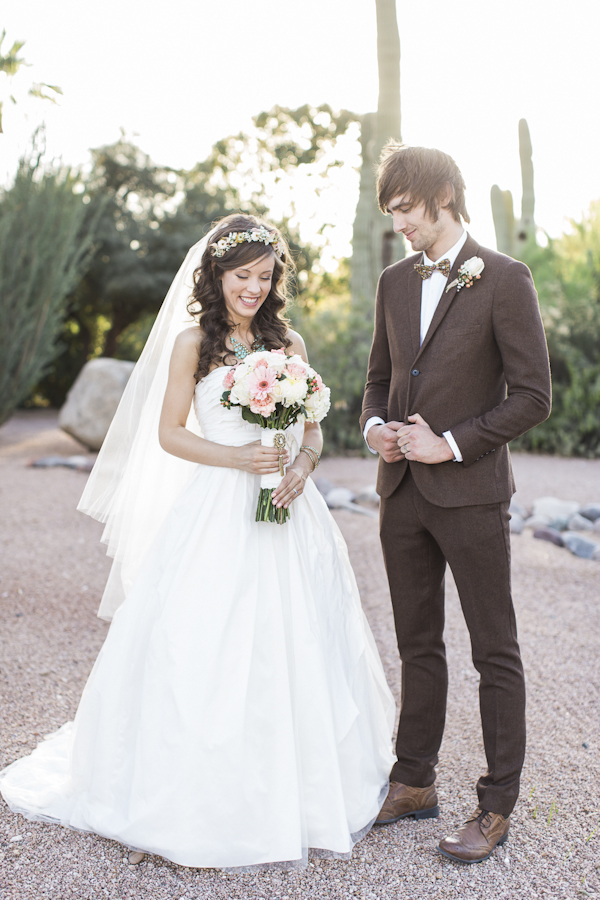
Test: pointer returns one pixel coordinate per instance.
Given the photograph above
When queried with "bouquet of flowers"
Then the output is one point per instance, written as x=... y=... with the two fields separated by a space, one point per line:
x=274 y=390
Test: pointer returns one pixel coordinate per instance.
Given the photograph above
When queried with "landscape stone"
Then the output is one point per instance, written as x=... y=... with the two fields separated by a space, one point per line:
x=537 y=522
x=80 y=463
x=560 y=524
x=339 y=497
x=368 y=495
x=92 y=401
x=518 y=508
x=516 y=523
x=579 y=523
x=590 y=511
x=554 y=508
x=324 y=485
x=580 y=545
x=549 y=534
x=597 y=525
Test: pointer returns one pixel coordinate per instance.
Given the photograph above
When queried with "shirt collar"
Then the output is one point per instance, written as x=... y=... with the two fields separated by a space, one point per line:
x=451 y=254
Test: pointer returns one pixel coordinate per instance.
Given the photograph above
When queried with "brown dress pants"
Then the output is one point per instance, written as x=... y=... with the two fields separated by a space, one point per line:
x=418 y=540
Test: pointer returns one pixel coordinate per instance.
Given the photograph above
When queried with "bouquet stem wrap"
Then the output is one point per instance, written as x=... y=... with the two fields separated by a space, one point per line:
x=266 y=511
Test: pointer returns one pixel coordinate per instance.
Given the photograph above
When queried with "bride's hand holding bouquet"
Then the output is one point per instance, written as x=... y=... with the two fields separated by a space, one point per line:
x=275 y=390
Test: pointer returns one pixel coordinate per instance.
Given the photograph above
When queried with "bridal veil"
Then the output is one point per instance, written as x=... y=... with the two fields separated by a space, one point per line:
x=134 y=481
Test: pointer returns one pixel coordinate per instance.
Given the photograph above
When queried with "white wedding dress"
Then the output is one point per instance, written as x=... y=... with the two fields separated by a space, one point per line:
x=237 y=714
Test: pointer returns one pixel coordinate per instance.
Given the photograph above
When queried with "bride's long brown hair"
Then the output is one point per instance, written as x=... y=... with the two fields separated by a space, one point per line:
x=207 y=302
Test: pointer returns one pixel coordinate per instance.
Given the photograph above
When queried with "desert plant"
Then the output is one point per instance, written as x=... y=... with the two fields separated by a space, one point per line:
x=512 y=235
x=374 y=244
x=43 y=253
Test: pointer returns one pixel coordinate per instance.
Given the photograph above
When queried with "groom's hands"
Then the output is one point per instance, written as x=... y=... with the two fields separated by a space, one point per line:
x=421 y=444
x=384 y=439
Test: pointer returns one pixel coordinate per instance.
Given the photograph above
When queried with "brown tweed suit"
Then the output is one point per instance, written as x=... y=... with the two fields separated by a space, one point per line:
x=482 y=372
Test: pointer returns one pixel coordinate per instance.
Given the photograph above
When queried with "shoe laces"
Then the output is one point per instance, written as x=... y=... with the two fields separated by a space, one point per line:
x=483 y=816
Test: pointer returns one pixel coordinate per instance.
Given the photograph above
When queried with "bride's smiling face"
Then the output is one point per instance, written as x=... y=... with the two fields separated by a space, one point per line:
x=246 y=288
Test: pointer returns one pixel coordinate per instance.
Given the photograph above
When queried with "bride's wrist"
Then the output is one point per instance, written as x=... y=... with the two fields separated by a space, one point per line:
x=299 y=468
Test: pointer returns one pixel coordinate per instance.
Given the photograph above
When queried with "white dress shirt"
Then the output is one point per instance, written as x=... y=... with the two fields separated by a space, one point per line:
x=432 y=289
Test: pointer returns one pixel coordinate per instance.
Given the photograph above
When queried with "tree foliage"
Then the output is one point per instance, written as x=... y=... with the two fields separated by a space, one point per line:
x=11 y=63
x=567 y=276
x=150 y=215
x=338 y=332
x=142 y=237
x=44 y=248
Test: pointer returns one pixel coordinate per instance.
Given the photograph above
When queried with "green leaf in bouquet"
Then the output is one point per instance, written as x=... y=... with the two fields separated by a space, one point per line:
x=253 y=418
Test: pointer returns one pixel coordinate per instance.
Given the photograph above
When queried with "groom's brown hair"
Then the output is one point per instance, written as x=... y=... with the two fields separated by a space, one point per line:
x=421 y=174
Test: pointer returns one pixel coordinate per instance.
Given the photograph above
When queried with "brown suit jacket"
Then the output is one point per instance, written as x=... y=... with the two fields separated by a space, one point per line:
x=482 y=373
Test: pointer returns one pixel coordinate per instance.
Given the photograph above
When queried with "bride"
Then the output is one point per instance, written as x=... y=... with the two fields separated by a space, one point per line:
x=237 y=714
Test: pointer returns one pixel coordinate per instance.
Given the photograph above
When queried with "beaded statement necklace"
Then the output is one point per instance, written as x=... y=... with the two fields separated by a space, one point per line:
x=241 y=351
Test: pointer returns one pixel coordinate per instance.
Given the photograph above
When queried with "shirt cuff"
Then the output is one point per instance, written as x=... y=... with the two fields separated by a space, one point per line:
x=374 y=420
x=453 y=445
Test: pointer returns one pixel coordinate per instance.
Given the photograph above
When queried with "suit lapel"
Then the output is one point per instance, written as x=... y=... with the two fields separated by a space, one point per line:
x=415 y=283
x=470 y=249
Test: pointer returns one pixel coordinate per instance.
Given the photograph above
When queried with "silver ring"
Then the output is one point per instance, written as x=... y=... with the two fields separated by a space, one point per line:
x=295 y=491
x=404 y=449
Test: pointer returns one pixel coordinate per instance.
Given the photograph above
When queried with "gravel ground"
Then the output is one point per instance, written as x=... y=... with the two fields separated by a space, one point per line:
x=51 y=578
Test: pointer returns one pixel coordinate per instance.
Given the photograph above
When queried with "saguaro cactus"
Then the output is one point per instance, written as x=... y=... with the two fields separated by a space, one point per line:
x=512 y=235
x=374 y=244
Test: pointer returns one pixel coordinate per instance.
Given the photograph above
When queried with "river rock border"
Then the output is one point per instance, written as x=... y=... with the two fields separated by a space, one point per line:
x=564 y=523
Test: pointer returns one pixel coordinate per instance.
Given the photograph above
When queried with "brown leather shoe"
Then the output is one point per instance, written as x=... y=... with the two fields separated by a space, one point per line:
x=475 y=840
x=403 y=801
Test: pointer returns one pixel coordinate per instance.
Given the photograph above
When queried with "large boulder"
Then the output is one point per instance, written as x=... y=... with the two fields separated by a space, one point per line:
x=92 y=401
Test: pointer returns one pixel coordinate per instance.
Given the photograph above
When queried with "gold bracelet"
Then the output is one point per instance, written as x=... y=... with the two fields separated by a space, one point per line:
x=314 y=450
x=312 y=454
x=313 y=461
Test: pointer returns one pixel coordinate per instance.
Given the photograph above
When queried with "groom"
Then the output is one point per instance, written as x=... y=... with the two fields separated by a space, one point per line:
x=458 y=368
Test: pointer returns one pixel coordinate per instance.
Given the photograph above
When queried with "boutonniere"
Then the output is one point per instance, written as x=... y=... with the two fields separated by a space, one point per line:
x=468 y=273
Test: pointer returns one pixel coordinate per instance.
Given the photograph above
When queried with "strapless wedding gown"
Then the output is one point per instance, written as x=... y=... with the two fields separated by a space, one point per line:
x=237 y=713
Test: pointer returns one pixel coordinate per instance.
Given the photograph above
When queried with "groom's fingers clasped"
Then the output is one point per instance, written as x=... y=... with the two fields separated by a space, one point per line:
x=384 y=439
x=419 y=443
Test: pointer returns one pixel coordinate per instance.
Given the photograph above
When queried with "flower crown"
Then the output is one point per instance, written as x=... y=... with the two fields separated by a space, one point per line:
x=239 y=237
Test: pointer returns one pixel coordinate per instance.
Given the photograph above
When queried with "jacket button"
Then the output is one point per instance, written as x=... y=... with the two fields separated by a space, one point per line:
x=415 y=372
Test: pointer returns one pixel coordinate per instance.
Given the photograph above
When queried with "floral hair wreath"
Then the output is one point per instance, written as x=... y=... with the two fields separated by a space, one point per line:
x=239 y=237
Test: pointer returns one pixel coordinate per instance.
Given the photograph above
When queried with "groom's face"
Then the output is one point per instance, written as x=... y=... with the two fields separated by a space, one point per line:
x=419 y=229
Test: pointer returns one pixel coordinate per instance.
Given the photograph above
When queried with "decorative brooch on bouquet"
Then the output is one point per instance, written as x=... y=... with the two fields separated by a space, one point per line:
x=274 y=390
x=469 y=272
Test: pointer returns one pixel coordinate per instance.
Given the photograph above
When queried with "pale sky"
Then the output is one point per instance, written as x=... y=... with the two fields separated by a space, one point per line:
x=178 y=76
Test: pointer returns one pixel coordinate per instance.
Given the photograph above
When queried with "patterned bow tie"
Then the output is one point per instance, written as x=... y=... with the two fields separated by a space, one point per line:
x=427 y=271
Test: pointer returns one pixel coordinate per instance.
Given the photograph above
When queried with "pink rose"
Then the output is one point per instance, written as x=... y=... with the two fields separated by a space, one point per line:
x=281 y=350
x=263 y=407
x=229 y=379
x=260 y=382
x=293 y=370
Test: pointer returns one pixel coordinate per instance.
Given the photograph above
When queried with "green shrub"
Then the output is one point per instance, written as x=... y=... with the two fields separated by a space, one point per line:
x=338 y=337
x=43 y=252
x=567 y=276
